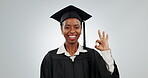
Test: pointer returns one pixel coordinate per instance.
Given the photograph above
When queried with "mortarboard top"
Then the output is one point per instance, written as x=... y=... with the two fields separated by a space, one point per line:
x=72 y=12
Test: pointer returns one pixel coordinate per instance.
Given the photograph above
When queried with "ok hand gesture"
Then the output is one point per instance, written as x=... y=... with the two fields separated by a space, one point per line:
x=103 y=42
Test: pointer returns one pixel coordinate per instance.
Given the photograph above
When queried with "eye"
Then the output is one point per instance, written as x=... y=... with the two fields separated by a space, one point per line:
x=77 y=27
x=67 y=27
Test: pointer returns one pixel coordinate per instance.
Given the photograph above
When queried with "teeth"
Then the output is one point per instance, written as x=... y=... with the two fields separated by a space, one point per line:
x=72 y=36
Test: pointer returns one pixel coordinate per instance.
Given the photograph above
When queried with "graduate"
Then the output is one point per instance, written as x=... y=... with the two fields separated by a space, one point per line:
x=72 y=60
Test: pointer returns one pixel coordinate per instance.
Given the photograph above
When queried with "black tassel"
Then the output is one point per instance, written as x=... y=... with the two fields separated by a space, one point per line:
x=84 y=40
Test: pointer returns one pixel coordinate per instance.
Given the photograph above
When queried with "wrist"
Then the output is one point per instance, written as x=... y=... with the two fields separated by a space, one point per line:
x=105 y=49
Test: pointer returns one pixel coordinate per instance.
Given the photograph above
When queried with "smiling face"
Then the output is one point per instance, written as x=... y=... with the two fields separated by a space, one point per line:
x=71 y=29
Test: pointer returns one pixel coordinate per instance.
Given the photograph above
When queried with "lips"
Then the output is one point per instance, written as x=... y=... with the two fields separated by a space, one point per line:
x=72 y=37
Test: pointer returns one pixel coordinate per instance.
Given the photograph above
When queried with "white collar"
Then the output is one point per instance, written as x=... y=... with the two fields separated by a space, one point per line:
x=63 y=50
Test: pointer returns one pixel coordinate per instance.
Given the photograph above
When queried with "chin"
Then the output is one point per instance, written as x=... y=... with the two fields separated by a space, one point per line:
x=72 y=42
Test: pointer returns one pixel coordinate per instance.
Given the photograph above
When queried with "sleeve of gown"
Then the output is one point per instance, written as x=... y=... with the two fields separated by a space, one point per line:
x=45 y=71
x=108 y=59
x=101 y=69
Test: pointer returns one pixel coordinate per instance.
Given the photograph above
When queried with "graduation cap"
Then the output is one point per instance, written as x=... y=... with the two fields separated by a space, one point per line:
x=72 y=12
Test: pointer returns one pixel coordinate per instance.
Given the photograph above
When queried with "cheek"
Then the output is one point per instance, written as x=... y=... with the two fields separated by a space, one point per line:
x=80 y=31
x=64 y=32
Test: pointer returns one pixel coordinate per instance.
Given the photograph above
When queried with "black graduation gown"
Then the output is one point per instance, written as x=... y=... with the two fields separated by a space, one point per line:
x=85 y=65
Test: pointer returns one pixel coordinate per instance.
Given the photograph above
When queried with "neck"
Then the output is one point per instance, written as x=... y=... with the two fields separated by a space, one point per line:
x=71 y=48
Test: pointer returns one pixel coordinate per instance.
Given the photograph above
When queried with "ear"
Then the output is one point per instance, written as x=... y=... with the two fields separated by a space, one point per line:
x=81 y=29
x=62 y=29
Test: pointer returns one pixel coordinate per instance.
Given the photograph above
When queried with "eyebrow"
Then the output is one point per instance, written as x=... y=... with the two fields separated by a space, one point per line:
x=67 y=25
x=77 y=25
x=74 y=25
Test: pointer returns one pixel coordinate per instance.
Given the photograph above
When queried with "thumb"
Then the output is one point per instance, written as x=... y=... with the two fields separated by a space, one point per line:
x=98 y=41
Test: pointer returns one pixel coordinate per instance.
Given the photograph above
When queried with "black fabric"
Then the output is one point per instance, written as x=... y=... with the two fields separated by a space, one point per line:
x=85 y=65
x=70 y=12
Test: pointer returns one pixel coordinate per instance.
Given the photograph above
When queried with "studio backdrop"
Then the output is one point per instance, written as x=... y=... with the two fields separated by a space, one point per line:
x=27 y=33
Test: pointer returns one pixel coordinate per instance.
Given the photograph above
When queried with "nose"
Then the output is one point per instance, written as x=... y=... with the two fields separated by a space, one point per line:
x=72 y=30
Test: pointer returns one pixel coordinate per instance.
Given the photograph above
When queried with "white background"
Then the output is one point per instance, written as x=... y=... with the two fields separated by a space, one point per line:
x=27 y=33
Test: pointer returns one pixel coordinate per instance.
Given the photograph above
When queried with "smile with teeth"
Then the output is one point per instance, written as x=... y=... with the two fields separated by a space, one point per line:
x=72 y=37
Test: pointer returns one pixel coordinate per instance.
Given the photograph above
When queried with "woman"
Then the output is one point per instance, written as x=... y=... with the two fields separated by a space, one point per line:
x=71 y=60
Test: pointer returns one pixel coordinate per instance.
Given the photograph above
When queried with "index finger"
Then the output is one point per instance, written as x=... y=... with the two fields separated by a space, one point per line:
x=100 y=36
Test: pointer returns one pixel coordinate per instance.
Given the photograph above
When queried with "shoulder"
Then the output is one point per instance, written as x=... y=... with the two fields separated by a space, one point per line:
x=54 y=51
x=89 y=49
x=50 y=53
x=92 y=52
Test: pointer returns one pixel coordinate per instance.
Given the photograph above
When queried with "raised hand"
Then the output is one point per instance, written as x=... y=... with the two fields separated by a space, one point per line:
x=103 y=42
